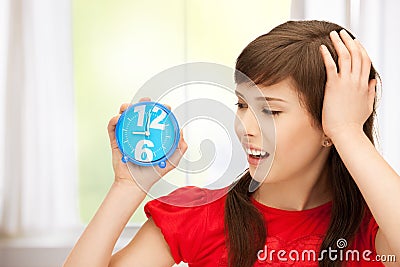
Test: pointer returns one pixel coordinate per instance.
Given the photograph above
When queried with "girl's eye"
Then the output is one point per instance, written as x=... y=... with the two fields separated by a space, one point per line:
x=266 y=111
x=240 y=105
x=271 y=112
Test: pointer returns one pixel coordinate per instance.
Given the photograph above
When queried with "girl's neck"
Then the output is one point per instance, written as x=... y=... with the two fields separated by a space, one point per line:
x=302 y=192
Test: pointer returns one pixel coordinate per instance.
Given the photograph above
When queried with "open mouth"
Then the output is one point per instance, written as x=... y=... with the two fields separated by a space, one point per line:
x=257 y=154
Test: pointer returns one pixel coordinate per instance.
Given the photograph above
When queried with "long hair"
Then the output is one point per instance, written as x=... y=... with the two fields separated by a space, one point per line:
x=292 y=50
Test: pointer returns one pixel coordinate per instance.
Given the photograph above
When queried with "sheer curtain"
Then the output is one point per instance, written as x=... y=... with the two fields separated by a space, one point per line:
x=37 y=134
x=376 y=24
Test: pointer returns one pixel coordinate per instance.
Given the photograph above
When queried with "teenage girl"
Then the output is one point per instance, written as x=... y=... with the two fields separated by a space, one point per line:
x=328 y=189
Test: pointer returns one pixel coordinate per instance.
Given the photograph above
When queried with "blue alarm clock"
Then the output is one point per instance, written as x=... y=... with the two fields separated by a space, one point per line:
x=147 y=134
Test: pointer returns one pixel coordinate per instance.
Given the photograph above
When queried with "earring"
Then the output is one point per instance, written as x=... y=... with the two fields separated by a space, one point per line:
x=327 y=142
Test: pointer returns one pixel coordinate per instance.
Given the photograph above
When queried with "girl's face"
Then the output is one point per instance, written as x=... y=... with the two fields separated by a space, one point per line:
x=272 y=124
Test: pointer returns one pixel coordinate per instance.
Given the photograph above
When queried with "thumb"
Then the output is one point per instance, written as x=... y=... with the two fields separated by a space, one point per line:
x=175 y=158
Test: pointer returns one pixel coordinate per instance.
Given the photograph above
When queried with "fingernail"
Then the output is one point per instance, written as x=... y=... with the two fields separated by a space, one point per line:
x=324 y=48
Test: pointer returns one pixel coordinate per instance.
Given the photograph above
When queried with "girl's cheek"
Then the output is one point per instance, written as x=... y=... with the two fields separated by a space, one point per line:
x=239 y=127
x=268 y=131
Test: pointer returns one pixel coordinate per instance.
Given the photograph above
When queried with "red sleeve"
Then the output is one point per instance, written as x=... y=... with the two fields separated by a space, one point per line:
x=372 y=230
x=181 y=224
x=367 y=233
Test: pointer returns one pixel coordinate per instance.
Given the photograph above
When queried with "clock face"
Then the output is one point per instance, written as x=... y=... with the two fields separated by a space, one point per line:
x=147 y=133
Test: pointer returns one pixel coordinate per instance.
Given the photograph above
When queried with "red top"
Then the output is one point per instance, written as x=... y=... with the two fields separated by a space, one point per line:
x=196 y=234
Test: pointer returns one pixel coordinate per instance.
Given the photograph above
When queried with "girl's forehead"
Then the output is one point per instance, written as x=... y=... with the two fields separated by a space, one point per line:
x=282 y=92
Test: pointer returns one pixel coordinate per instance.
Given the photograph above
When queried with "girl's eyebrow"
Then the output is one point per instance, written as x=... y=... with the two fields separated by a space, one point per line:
x=261 y=98
x=270 y=99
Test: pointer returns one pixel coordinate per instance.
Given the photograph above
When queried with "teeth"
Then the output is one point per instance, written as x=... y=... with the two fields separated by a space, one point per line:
x=255 y=152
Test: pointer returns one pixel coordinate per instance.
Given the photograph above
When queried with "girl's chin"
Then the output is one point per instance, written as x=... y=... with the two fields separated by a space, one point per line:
x=268 y=179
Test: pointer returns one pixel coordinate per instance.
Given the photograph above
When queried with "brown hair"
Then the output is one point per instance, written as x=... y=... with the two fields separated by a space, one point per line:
x=292 y=50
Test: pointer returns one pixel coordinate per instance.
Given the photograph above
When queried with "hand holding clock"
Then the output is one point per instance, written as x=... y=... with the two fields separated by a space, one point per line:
x=144 y=176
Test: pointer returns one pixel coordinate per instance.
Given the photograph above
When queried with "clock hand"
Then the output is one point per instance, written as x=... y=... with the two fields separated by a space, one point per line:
x=147 y=132
x=139 y=133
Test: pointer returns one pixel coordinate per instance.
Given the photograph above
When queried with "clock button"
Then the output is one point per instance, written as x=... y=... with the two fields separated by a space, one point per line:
x=162 y=164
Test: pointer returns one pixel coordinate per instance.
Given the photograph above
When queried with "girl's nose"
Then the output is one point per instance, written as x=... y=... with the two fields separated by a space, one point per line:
x=248 y=123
